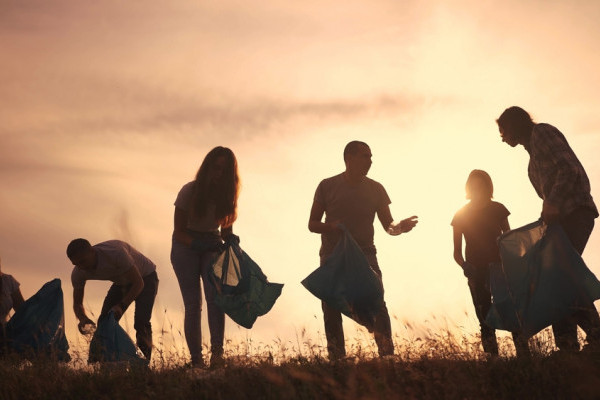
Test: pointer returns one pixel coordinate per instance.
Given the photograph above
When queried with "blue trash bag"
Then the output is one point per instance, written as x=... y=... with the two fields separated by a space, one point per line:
x=243 y=291
x=541 y=280
x=347 y=283
x=38 y=327
x=111 y=343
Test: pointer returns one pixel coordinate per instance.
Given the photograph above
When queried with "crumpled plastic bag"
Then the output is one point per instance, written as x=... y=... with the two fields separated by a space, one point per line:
x=38 y=327
x=243 y=290
x=347 y=283
x=111 y=343
x=541 y=280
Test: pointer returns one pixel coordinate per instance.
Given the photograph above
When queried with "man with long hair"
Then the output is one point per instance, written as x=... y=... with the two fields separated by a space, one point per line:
x=560 y=180
x=353 y=200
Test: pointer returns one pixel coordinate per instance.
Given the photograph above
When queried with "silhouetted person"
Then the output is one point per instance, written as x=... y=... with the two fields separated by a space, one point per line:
x=560 y=180
x=481 y=222
x=134 y=280
x=10 y=299
x=353 y=200
x=205 y=210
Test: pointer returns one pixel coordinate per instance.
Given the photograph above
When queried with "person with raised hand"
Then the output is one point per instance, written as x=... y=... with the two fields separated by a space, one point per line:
x=353 y=199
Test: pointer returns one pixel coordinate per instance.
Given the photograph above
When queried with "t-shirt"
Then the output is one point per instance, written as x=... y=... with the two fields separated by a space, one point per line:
x=354 y=205
x=198 y=223
x=115 y=259
x=481 y=227
x=9 y=286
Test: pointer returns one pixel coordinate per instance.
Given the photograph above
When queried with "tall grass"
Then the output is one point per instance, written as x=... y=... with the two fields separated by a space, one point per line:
x=430 y=364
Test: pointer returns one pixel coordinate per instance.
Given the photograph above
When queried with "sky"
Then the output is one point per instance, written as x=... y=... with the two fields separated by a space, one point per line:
x=108 y=108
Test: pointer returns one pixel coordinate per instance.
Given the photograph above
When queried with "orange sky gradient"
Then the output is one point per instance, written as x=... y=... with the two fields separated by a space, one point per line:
x=108 y=108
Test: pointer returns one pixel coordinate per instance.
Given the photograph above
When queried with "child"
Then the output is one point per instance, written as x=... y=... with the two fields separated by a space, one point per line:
x=481 y=222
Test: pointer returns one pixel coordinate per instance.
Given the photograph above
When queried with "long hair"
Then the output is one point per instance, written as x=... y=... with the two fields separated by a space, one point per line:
x=477 y=174
x=222 y=193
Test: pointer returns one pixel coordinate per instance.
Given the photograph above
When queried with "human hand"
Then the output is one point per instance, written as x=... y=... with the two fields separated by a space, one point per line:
x=334 y=226
x=406 y=225
x=86 y=326
x=202 y=246
x=232 y=239
x=117 y=311
x=468 y=269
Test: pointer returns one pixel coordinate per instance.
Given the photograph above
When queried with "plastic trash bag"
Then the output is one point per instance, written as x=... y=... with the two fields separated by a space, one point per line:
x=111 y=343
x=38 y=327
x=541 y=280
x=243 y=291
x=347 y=283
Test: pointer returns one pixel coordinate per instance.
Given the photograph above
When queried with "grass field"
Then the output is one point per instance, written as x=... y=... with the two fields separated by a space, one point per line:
x=441 y=367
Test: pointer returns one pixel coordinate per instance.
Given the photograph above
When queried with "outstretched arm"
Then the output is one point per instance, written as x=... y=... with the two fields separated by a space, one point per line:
x=79 y=310
x=385 y=217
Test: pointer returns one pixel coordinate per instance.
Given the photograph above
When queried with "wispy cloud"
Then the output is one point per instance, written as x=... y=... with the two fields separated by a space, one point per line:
x=94 y=106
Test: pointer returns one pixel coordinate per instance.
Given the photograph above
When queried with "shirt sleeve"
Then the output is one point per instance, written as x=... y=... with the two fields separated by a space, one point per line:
x=550 y=149
x=456 y=220
x=184 y=197
x=319 y=196
x=384 y=199
x=502 y=212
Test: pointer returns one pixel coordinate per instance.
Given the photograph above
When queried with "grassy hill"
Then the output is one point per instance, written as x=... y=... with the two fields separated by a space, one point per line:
x=433 y=369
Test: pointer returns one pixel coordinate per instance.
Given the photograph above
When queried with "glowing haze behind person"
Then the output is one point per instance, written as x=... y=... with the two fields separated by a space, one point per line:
x=481 y=222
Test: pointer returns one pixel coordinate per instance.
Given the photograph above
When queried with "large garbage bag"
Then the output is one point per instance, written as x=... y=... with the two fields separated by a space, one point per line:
x=111 y=343
x=541 y=280
x=243 y=291
x=38 y=327
x=347 y=283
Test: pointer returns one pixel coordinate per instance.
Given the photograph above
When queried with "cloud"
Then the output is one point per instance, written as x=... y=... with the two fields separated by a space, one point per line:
x=89 y=105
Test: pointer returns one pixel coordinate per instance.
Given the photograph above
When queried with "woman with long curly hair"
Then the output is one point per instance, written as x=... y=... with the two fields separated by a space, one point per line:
x=205 y=211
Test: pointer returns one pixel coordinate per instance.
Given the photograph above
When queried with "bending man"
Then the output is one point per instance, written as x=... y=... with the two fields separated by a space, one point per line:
x=134 y=280
x=560 y=180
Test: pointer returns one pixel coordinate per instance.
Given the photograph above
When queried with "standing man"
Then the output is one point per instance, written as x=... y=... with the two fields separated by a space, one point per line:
x=352 y=199
x=560 y=180
x=134 y=279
